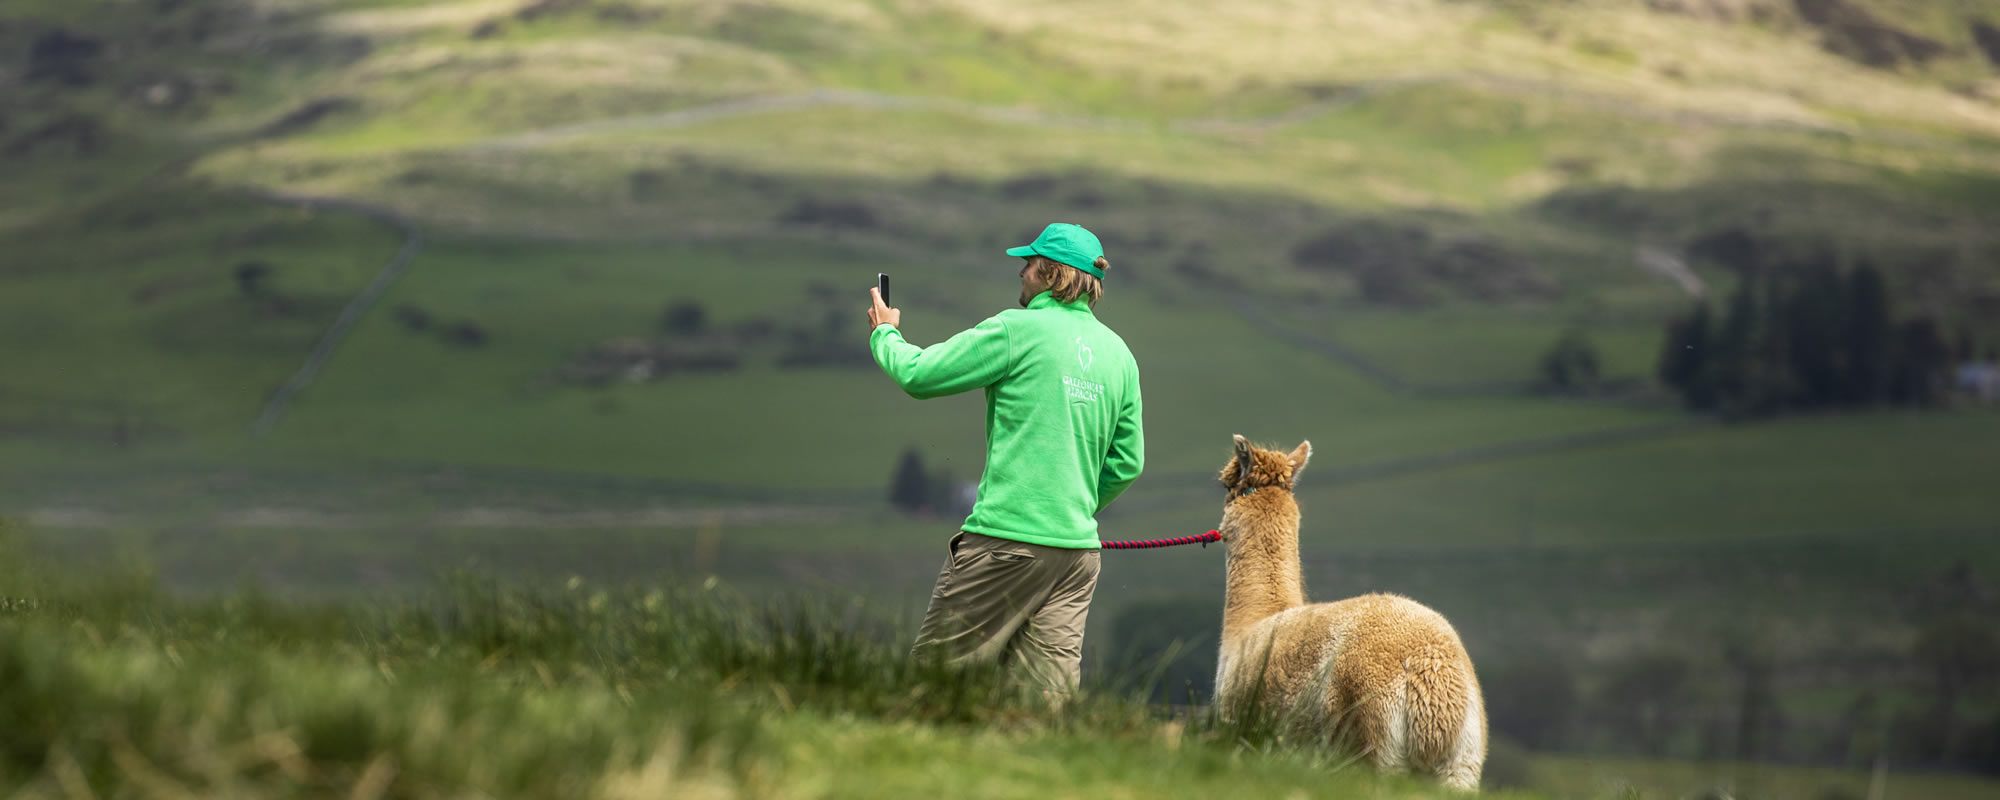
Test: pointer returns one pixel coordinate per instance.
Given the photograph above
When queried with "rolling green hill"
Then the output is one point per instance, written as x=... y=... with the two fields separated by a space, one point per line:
x=575 y=166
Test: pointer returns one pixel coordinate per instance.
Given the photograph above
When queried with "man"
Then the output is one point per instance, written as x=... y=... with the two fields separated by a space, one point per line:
x=1063 y=439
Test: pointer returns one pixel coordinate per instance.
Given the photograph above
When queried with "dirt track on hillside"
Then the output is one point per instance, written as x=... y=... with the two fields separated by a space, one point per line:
x=1344 y=97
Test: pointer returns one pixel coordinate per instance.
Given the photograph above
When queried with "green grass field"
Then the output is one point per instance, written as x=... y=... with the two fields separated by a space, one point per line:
x=645 y=689
x=579 y=691
x=1473 y=348
x=211 y=356
x=1839 y=474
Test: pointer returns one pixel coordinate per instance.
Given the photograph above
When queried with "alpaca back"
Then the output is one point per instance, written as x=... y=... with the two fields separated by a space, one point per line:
x=1385 y=669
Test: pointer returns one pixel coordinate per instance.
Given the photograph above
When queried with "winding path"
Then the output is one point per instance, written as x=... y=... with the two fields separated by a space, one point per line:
x=413 y=241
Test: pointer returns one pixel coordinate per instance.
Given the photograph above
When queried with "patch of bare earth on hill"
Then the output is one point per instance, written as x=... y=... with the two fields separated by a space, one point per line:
x=1987 y=37
x=1852 y=32
x=405 y=20
x=1718 y=10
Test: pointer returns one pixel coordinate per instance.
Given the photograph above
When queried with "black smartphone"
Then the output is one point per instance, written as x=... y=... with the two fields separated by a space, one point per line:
x=882 y=282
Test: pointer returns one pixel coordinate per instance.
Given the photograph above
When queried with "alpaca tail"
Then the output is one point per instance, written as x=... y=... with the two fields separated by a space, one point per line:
x=1444 y=723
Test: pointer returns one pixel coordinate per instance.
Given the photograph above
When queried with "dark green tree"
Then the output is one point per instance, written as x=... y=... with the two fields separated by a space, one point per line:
x=684 y=318
x=1922 y=361
x=909 y=488
x=252 y=278
x=1868 y=340
x=1812 y=318
x=1726 y=371
x=1571 y=365
x=1683 y=355
x=1768 y=381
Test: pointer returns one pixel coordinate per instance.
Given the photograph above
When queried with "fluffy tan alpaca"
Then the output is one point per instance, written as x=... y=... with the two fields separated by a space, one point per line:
x=1383 y=671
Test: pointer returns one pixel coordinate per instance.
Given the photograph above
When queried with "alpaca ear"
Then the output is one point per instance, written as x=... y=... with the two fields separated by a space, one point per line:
x=1243 y=458
x=1299 y=456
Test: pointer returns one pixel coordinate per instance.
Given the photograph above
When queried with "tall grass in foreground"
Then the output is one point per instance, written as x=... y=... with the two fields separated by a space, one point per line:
x=109 y=687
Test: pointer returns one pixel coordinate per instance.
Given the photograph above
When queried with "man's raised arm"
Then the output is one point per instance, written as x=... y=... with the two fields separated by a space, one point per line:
x=973 y=359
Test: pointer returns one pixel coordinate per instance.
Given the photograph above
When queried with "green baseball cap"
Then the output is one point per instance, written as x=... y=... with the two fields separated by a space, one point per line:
x=1065 y=243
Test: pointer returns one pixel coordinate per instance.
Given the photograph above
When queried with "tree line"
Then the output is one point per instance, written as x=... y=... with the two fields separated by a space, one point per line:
x=1807 y=338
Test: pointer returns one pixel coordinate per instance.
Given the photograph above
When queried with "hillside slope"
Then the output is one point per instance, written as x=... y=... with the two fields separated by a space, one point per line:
x=1436 y=189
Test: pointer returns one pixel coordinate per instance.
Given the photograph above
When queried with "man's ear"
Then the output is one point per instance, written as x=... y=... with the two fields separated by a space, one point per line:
x=1299 y=456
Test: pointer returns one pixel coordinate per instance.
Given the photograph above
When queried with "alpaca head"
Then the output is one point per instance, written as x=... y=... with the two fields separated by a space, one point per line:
x=1252 y=469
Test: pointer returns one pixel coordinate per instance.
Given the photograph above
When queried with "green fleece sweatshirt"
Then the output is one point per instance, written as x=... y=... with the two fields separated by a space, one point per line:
x=1063 y=432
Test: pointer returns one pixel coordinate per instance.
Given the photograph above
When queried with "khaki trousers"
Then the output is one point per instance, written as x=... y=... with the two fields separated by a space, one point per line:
x=998 y=599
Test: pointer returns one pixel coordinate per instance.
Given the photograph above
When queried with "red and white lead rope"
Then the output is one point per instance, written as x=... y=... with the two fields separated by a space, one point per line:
x=1141 y=544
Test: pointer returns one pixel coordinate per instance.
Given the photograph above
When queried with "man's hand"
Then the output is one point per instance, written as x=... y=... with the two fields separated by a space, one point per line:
x=880 y=312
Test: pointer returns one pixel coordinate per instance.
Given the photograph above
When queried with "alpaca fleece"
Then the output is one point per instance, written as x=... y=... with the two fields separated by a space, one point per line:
x=1381 y=671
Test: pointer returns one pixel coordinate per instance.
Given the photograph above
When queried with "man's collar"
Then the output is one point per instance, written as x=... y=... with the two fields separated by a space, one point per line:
x=1048 y=300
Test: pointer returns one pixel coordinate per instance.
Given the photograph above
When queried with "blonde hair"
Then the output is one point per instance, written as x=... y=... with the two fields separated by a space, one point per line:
x=1067 y=283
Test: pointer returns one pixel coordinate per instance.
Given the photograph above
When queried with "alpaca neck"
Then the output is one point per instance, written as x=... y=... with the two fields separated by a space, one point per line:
x=1263 y=576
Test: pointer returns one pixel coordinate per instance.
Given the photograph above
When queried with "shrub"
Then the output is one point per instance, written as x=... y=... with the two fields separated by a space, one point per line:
x=252 y=277
x=412 y=317
x=466 y=334
x=684 y=318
